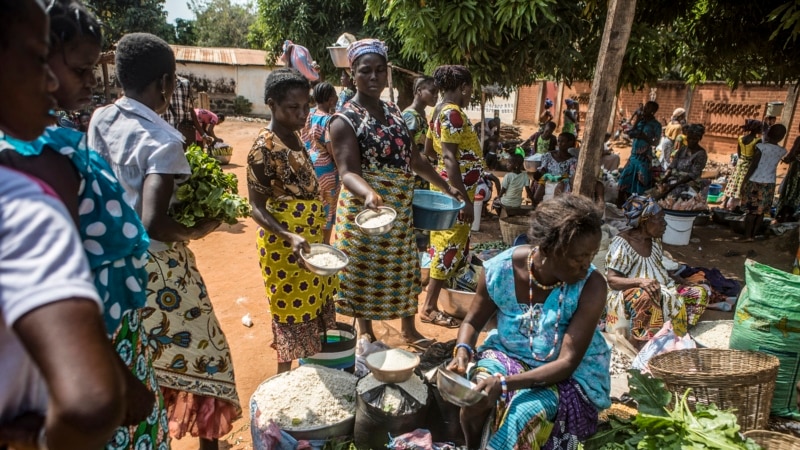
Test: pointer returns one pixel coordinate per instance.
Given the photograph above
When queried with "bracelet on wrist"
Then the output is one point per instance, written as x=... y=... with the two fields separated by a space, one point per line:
x=503 y=385
x=465 y=347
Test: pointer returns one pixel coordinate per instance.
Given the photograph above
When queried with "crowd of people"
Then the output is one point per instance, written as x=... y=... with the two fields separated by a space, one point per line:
x=88 y=249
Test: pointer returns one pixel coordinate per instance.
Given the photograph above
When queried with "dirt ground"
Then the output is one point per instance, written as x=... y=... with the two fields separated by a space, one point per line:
x=228 y=261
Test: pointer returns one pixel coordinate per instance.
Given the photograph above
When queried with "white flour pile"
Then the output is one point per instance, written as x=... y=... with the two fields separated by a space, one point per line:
x=378 y=221
x=392 y=359
x=713 y=334
x=325 y=260
x=392 y=397
x=307 y=397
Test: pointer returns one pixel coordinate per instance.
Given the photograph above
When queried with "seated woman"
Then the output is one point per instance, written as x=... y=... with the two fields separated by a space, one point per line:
x=643 y=294
x=687 y=165
x=556 y=166
x=546 y=364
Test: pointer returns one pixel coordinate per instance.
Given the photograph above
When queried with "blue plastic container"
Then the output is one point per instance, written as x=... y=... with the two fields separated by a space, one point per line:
x=714 y=189
x=434 y=210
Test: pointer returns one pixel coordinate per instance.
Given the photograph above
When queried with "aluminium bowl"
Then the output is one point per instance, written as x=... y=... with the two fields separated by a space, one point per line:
x=456 y=389
x=322 y=248
x=367 y=214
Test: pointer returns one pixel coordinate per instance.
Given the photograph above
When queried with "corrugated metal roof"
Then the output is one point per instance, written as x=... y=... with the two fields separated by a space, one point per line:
x=224 y=56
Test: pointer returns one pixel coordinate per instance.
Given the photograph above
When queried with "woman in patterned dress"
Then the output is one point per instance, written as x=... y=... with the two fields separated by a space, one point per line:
x=560 y=165
x=453 y=139
x=745 y=149
x=114 y=239
x=286 y=204
x=192 y=359
x=686 y=169
x=318 y=147
x=374 y=153
x=642 y=294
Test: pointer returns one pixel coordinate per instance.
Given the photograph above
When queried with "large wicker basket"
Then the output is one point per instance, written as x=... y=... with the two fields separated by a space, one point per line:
x=511 y=227
x=769 y=440
x=731 y=379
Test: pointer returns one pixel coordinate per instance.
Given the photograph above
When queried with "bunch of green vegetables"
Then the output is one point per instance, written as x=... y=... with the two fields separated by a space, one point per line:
x=657 y=427
x=209 y=193
x=490 y=245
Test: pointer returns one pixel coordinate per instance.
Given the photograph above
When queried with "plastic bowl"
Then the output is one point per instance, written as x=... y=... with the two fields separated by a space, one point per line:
x=456 y=389
x=434 y=210
x=531 y=163
x=393 y=365
x=317 y=249
x=367 y=214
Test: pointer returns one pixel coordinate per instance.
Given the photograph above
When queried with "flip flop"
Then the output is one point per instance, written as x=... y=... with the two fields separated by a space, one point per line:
x=441 y=319
x=421 y=344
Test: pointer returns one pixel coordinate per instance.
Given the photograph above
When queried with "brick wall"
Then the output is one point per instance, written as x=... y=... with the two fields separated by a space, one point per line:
x=721 y=110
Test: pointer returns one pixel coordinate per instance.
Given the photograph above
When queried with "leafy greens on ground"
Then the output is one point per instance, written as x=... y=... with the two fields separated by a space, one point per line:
x=209 y=193
x=657 y=427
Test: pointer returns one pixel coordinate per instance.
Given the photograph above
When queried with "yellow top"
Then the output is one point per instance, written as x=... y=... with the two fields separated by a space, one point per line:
x=748 y=150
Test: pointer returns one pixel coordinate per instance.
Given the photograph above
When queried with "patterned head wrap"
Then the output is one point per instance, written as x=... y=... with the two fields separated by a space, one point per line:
x=548 y=103
x=678 y=112
x=639 y=208
x=364 y=47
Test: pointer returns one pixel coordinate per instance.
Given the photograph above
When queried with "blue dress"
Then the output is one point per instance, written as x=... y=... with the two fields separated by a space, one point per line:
x=636 y=178
x=509 y=346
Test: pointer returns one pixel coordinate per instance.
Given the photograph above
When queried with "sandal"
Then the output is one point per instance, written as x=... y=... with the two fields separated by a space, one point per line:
x=441 y=319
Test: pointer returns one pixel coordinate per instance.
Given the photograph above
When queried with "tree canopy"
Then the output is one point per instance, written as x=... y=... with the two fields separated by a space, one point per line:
x=220 y=23
x=128 y=16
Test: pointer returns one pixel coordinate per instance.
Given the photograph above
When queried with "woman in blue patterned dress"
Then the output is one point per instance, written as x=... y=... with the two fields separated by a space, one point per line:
x=545 y=367
x=113 y=237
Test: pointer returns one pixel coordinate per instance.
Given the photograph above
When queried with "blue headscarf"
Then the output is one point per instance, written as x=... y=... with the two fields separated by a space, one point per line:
x=639 y=208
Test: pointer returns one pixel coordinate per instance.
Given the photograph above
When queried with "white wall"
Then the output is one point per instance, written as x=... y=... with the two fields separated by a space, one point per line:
x=250 y=84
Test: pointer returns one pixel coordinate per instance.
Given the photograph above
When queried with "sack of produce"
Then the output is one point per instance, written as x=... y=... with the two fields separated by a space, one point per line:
x=388 y=408
x=209 y=193
x=767 y=320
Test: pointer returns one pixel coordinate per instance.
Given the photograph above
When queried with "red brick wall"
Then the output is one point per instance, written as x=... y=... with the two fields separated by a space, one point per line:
x=714 y=105
x=527 y=108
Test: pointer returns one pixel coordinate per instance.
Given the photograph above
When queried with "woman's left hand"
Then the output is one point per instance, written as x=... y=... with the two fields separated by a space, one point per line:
x=491 y=387
x=467 y=214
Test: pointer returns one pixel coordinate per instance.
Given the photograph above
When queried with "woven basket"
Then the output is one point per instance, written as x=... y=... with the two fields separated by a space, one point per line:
x=769 y=440
x=511 y=227
x=731 y=379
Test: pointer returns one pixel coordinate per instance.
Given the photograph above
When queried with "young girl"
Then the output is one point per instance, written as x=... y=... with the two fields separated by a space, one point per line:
x=425 y=95
x=191 y=358
x=758 y=187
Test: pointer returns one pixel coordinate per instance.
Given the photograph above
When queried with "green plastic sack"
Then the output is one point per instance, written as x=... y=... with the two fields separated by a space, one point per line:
x=768 y=320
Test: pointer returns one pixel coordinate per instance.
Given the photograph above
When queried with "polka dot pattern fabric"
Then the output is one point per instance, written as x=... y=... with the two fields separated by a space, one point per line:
x=113 y=236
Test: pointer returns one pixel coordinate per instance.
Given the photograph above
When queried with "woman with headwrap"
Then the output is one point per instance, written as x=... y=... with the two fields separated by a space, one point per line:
x=571 y=118
x=636 y=177
x=745 y=149
x=374 y=152
x=642 y=294
x=687 y=165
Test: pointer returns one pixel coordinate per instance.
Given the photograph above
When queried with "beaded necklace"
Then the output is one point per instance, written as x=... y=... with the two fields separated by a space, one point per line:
x=536 y=316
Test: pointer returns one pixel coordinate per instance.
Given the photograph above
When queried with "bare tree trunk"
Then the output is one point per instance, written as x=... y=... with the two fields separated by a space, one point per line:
x=604 y=87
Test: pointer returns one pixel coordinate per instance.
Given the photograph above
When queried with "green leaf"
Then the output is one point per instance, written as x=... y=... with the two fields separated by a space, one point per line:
x=650 y=393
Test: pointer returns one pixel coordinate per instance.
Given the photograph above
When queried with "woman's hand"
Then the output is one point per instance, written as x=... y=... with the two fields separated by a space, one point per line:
x=459 y=363
x=204 y=228
x=373 y=200
x=467 y=214
x=491 y=387
x=652 y=287
x=299 y=246
x=456 y=194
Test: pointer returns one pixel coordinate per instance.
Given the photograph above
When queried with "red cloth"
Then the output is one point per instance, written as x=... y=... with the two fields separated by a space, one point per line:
x=200 y=416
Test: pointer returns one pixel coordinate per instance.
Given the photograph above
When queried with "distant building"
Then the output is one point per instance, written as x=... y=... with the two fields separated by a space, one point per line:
x=223 y=73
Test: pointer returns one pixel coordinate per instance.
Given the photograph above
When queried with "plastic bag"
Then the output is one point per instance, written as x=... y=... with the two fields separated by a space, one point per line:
x=299 y=57
x=767 y=320
x=373 y=424
x=664 y=341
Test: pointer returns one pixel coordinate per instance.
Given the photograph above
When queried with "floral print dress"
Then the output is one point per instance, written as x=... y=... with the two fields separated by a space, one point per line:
x=451 y=126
